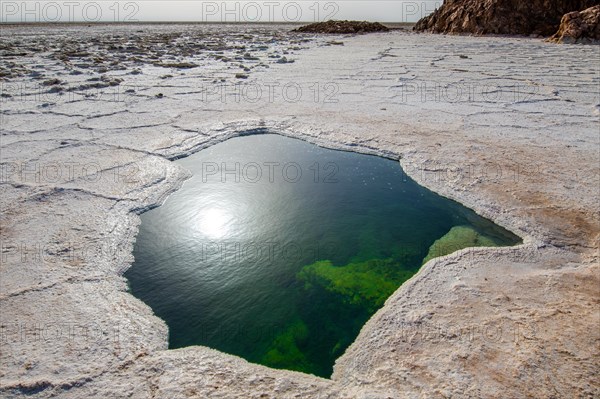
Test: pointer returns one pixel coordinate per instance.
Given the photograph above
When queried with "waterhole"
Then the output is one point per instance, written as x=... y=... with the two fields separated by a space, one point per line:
x=278 y=251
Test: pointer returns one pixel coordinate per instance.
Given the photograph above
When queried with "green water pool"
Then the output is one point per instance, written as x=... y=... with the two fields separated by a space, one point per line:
x=278 y=251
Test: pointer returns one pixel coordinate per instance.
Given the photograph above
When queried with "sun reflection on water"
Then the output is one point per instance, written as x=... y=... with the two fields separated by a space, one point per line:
x=214 y=222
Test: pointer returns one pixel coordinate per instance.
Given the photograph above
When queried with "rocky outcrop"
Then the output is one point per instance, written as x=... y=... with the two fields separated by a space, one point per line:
x=343 y=27
x=579 y=27
x=509 y=17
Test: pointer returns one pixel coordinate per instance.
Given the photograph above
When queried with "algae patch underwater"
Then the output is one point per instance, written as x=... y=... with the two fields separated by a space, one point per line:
x=459 y=237
x=285 y=352
x=367 y=284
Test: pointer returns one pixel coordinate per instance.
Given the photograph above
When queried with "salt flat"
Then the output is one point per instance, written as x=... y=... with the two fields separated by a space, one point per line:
x=506 y=126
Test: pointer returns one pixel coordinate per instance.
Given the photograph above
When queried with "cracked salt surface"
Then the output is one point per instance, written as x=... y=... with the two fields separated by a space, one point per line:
x=512 y=322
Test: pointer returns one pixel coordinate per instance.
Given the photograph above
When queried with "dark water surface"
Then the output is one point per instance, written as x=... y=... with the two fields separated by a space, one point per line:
x=279 y=251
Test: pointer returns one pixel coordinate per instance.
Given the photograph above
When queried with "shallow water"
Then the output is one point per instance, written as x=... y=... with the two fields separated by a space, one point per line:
x=278 y=251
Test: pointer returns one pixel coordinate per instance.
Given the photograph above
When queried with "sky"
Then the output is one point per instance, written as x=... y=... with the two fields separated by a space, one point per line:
x=214 y=11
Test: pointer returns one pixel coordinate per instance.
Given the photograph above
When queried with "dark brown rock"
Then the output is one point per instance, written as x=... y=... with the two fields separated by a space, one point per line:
x=178 y=65
x=509 y=17
x=343 y=27
x=579 y=27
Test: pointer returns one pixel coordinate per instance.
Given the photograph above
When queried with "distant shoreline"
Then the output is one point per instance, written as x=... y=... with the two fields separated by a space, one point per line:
x=391 y=25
